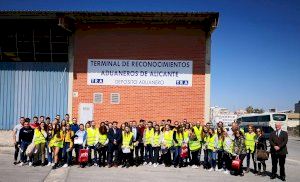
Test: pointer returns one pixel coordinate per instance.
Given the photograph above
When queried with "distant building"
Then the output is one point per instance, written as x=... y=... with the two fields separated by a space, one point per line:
x=222 y=114
x=293 y=119
x=297 y=107
x=273 y=110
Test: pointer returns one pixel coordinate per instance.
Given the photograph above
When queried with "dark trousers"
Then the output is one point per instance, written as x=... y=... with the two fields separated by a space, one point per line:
x=227 y=159
x=77 y=147
x=167 y=158
x=220 y=159
x=195 y=159
x=253 y=159
x=263 y=164
x=156 y=154
x=206 y=163
x=242 y=157
x=139 y=153
x=102 y=156
x=92 y=161
x=110 y=155
x=16 y=151
x=67 y=155
x=275 y=159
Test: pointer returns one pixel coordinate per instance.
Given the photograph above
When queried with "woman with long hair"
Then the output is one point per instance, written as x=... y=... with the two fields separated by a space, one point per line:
x=103 y=140
x=261 y=144
x=68 y=145
x=178 y=142
x=220 y=150
x=156 y=143
x=240 y=149
x=127 y=146
x=204 y=137
x=250 y=138
x=194 y=146
x=56 y=143
x=212 y=145
x=39 y=140
x=49 y=151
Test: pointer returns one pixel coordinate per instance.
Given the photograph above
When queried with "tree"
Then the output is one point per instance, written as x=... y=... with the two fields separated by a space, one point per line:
x=249 y=109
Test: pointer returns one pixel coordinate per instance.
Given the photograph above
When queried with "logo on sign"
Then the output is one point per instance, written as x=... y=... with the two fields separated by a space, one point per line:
x=97 y=80
x=182 y=82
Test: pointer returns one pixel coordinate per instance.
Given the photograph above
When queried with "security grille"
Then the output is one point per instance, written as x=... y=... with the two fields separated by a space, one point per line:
x=98 y=98
x=114 y=98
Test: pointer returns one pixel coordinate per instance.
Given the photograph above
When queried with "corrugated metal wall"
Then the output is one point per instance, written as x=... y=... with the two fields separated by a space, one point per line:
x=32 y=89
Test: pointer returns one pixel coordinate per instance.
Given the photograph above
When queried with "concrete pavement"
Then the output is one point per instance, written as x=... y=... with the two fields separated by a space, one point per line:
x=9 y=172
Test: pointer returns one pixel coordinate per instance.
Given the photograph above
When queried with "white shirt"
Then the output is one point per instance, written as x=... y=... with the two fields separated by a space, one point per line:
x=17 y=129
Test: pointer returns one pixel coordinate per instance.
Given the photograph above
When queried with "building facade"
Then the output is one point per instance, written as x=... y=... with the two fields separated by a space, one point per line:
x=107 y=65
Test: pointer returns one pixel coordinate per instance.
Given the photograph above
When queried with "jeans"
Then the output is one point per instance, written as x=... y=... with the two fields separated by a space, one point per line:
x=212 y=158
x=67 y=155
x=148 y=153
x=49 y=153
x=17 y=149
x=253 y=159
x=220 y=159
x=156 y=154
x=24 y=146
x=139 y=153
x=94 y=160
x=177 y=158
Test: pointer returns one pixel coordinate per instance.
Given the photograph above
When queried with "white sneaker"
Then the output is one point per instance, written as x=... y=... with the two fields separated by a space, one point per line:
x=194 y=167
x=95 y=164
x=211 y=169
x=49 y=164
x=52 y=164
x=155 y=165
x=30 y=164
x=145 y=163
x=163 y=164
x=226 y=172
x=65 y=165
x=220 y=170
x=150 y=163
x=21 y=164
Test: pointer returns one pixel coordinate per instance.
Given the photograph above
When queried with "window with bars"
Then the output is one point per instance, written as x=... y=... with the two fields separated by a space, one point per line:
x=34 y=44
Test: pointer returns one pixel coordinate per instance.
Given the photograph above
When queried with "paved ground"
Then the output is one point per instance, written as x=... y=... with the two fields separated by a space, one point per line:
x=11 y=173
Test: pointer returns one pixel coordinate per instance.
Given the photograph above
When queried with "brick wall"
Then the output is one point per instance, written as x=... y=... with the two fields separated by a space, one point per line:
x=157 y=42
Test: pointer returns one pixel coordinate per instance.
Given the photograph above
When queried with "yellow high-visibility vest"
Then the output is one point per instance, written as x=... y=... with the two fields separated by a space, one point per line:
x=148 y=136
x=39 y=137
x=211 y=142
x=126 y=140
x=168 y=138
x=250 y=141
x=91 y=136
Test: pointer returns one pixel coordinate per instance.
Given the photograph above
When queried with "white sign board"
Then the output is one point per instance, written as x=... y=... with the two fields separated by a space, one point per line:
x=86 y=112
x=176 y=73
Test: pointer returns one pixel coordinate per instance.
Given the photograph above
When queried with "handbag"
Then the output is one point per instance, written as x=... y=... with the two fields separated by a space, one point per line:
x=83 y=155
x=30 y=149
x=98 y=146
x=262 y=155
x=236 y=164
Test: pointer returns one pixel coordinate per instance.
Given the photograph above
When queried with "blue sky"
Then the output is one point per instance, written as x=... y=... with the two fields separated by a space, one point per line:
x=255 y=49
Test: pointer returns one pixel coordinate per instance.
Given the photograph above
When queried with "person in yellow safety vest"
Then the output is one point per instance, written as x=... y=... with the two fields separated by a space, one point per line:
x=147 y=138
x=194 y=146
x=56 y=143
x=204 y=137
x=220 y=148
x=39 y=140
x=127 y=145
x=167 y=145
x=68 y=145
x=103 y=141
x=91 y=140
x=250 y=140
x=178 y=142
x=212 y=146
x=228 y=150
x=156 y=143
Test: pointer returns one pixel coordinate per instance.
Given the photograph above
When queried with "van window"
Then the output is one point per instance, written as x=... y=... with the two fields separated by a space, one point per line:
x=279 y=117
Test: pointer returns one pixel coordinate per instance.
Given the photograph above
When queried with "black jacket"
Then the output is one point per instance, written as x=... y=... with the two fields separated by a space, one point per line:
x=261 y=143
x=26 y=134
x=280 y=141
x=114 y=136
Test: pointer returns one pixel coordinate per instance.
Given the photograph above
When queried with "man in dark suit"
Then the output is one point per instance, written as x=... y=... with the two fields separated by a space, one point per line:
x=278 y=140
x=115 y=140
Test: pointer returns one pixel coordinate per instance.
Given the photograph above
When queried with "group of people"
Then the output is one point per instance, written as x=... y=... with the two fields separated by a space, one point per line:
x=177 y=144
